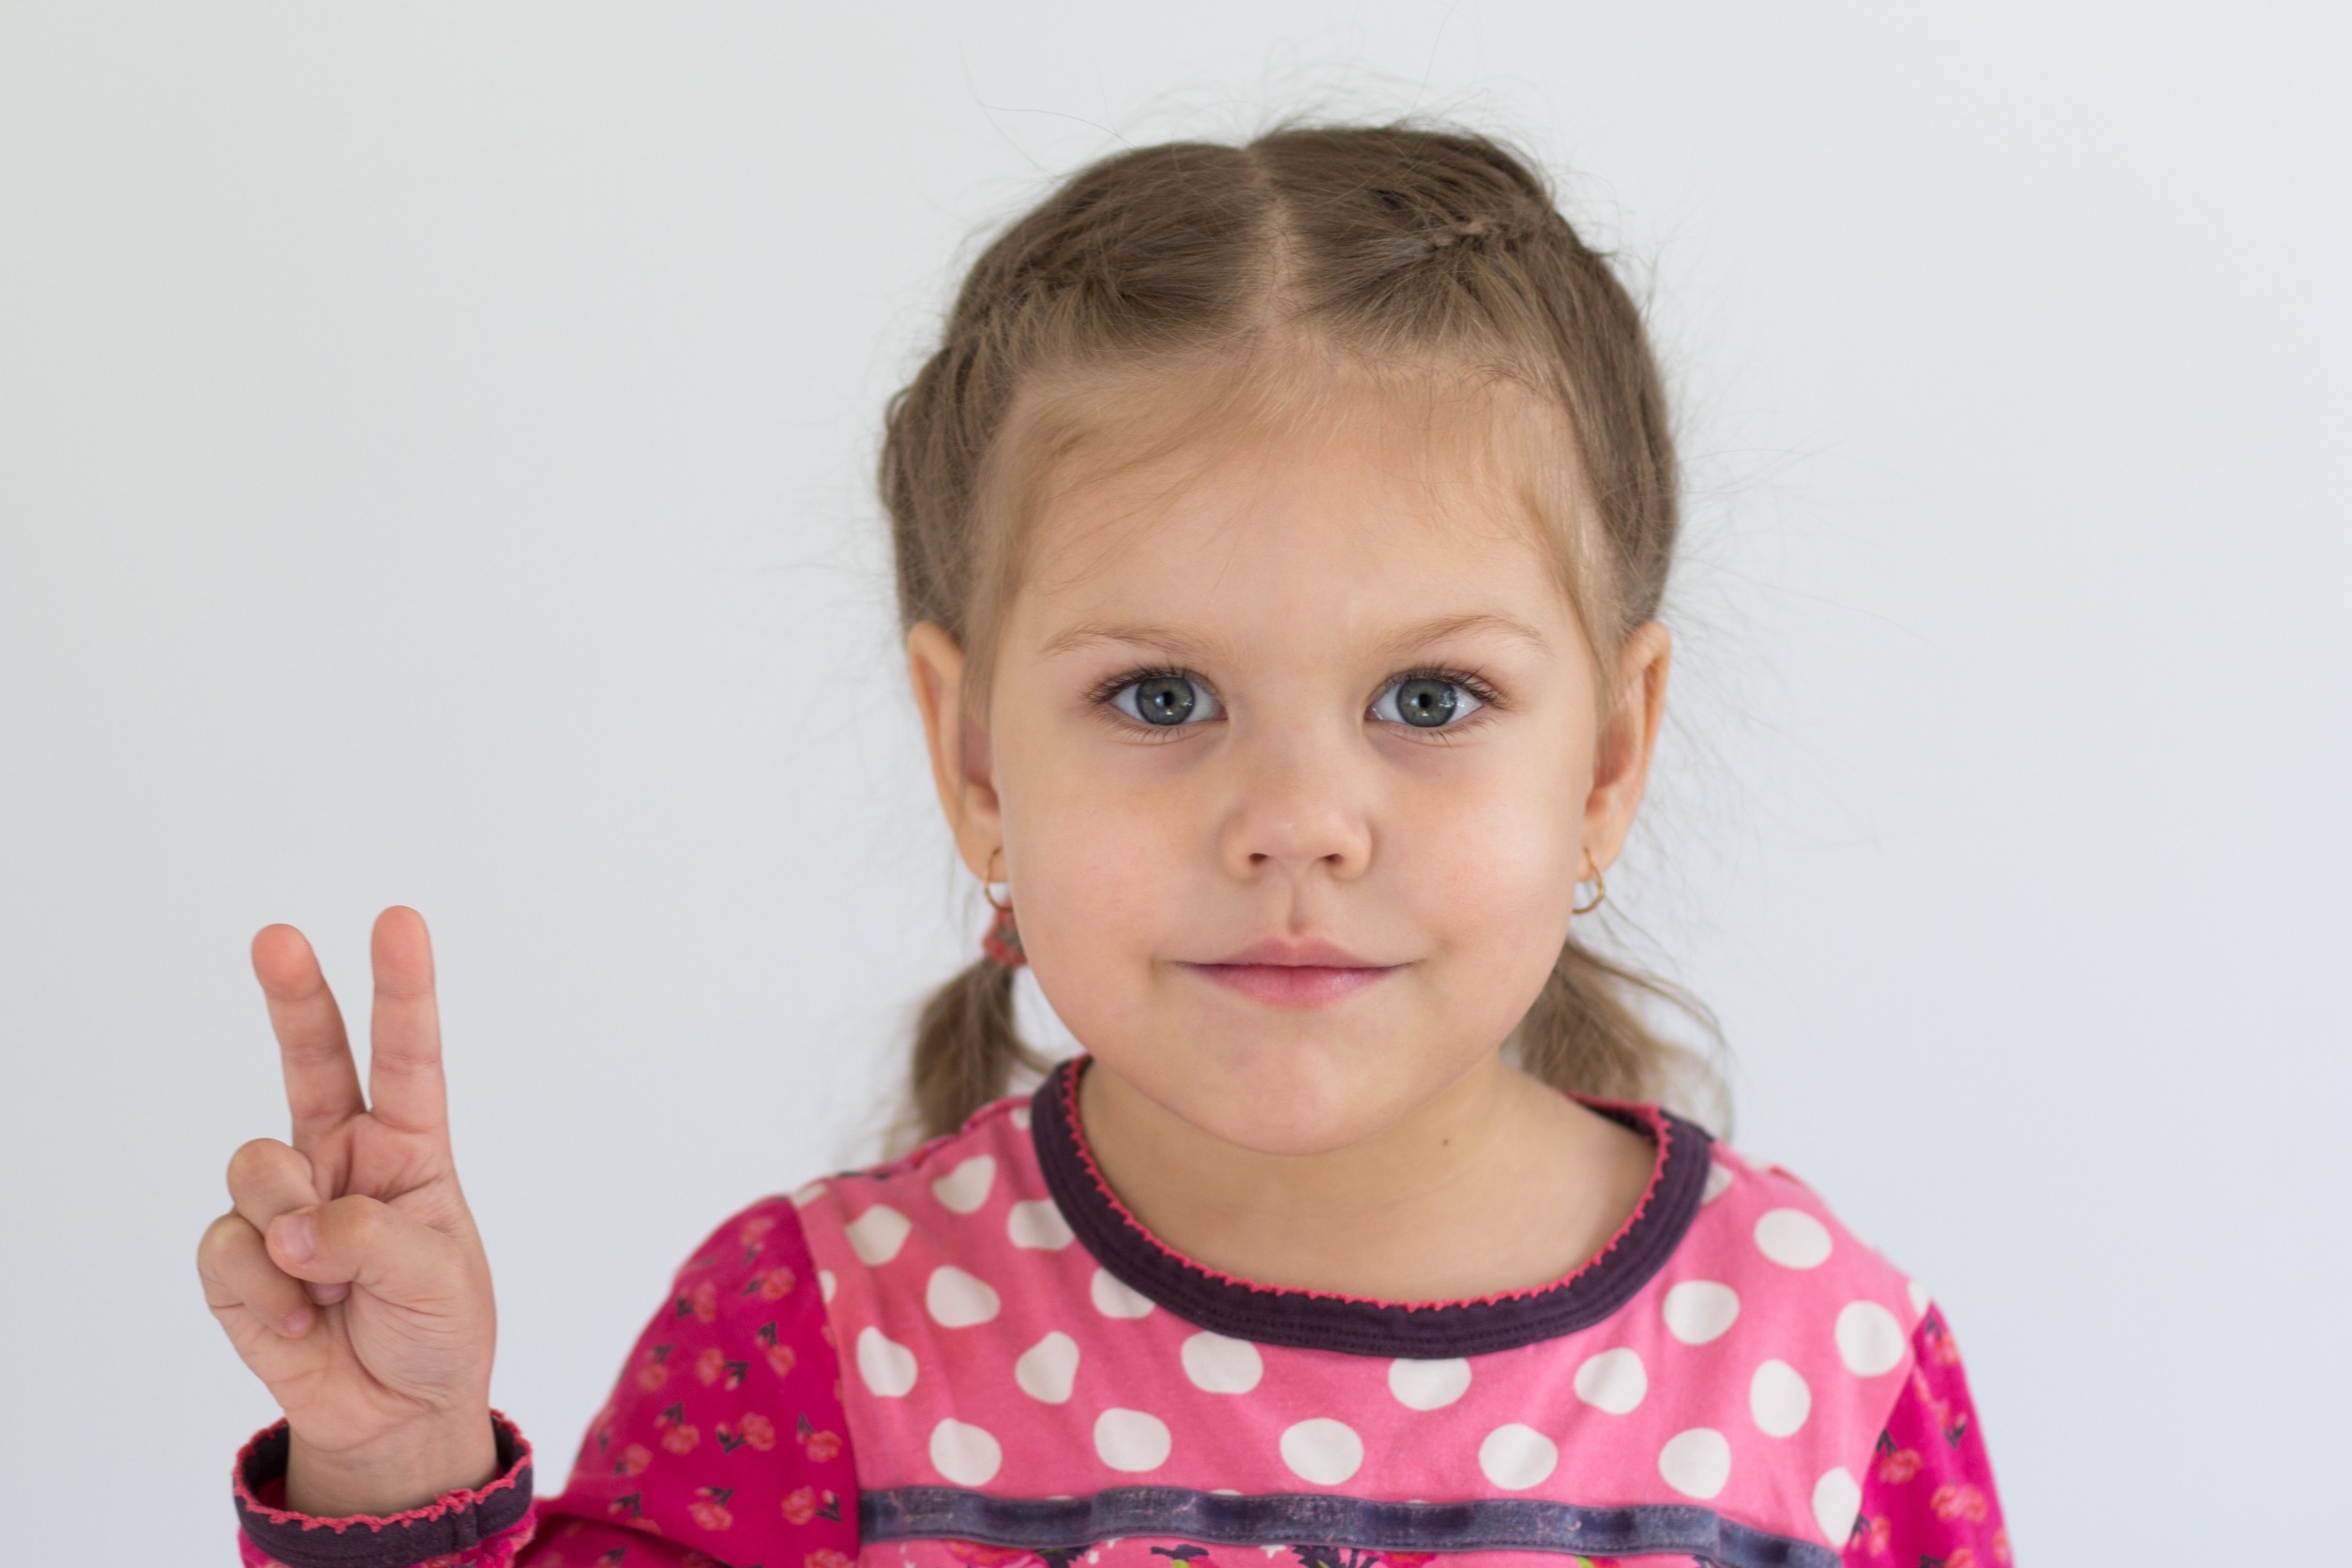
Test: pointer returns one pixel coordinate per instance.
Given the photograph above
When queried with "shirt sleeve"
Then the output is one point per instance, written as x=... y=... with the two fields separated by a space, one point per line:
x=1929 y=1497
x=723 y=1442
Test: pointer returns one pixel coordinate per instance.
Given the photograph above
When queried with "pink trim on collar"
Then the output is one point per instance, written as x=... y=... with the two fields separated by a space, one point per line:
x=1651 y=1117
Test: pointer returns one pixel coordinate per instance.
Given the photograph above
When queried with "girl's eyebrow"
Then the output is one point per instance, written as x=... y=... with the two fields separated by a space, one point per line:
x=1421 y=633
x=1167 y=638
x=1184 y=644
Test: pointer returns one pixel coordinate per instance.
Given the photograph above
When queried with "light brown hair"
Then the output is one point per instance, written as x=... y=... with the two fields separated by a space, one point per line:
x=1391 y=244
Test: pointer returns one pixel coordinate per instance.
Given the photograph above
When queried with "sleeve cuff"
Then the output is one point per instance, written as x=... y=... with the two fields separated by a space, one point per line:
x=453 y=1523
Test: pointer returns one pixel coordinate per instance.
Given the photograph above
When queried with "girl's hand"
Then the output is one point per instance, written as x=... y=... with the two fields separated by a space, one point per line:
x=349 y=1274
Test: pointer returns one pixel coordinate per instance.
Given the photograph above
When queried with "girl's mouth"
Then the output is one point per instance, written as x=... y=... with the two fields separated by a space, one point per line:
x=1294 y=974
x=1294 y=984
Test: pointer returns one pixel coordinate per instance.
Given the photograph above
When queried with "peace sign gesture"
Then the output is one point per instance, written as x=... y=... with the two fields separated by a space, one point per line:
x=348 y=1274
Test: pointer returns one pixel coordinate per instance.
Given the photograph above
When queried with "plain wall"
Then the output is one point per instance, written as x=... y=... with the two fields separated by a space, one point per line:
x=434 y=449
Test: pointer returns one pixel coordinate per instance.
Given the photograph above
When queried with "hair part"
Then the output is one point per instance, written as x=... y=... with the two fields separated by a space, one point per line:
x=1168 y=291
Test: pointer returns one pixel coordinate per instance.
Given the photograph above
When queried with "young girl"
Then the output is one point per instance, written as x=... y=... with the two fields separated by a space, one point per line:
x=1280 y=530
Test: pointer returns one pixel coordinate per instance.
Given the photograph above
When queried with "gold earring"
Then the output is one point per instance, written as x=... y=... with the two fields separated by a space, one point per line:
x=1600 y=887
x=1004 y=908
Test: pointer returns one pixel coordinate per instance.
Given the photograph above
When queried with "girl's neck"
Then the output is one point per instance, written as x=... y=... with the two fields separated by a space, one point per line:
x=1501 y=1183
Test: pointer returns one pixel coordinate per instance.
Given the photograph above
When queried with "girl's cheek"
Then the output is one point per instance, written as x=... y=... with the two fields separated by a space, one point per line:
x=1099 y=868
x=1502 y=844
x=1105 y=879
x=1496 y=925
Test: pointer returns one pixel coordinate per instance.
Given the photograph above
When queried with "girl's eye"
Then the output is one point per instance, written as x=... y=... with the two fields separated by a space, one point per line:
x=1426 y=703
x=1166 y=702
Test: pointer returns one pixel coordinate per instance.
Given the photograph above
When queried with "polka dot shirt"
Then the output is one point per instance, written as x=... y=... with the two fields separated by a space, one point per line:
x=975 y=1356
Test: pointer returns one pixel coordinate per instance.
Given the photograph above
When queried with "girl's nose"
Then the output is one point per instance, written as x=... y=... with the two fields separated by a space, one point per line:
x=1300 y=808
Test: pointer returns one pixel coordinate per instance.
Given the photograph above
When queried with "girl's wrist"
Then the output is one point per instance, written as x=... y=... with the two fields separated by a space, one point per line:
x=408 y=1468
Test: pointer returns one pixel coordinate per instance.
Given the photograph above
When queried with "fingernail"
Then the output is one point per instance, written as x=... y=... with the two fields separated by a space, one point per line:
x=297 y=1323
x=298 y=1237
x=327 y=1295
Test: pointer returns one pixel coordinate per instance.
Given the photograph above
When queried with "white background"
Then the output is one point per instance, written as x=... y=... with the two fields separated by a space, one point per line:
x=433 y=467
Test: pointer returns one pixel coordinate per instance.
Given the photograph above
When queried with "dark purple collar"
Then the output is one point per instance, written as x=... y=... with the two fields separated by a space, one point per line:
x=1435 y=1331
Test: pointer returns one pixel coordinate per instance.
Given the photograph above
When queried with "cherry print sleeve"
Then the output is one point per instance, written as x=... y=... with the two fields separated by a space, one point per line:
x=724 y=1436
x=1929 y=1495
x=722 y=1445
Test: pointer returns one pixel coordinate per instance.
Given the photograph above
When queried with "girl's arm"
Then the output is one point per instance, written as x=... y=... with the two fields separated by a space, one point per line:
x=722 y=1443
x=1929 y=1495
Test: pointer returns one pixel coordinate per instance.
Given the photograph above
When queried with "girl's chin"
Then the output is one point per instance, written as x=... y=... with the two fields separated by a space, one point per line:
x=1288 y=1097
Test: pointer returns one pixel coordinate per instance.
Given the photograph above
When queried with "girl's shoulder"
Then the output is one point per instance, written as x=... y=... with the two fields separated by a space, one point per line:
x=942 y=1191
x=1762 y=1244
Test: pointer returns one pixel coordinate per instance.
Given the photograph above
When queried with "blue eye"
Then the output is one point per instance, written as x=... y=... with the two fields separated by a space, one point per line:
x=1426 y=703
x=1166 y=702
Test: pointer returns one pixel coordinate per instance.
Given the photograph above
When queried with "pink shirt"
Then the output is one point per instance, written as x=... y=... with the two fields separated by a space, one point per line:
x=973 y=1357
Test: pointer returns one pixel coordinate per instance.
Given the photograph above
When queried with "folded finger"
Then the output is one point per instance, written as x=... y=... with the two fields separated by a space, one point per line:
x=234 y=1265
x=360 y=1241
x=267 y=1178
x=321 y=1083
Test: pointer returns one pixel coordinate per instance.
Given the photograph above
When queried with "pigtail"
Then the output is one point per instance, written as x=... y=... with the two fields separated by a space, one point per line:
x=1586 y=1035
x=966 y=1049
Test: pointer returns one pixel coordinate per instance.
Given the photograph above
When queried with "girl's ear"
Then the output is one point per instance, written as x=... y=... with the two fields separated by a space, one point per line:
x=959 y=754
x=1629 y=734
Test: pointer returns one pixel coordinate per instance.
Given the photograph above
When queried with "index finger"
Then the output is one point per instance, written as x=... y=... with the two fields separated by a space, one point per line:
x=322 y=1085
x=405 y=1089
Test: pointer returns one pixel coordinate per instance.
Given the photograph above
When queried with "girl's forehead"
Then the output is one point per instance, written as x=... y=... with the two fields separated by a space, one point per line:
x=1366 y=483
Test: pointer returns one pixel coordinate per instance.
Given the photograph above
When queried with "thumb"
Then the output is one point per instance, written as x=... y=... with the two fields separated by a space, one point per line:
x=360 y=1240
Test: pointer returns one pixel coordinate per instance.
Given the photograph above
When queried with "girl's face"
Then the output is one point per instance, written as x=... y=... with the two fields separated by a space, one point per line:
x=1295 y=755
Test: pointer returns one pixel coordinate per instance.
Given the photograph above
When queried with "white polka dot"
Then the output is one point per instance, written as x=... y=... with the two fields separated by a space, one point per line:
x=1718 y=1182
x=1836 y=1499
x=964 y=1454
x=1217 y=1364
x=1515 y=1457
x=957 y=1299
x=1793 y=1239
x=1019 y=1117
x=827 y=1284
x=1131 y=1441
x=1039 y=1225
x=1695 y=1463
x=1046 y=1369
x=1778 y=1399
x=1919 y=1298
x=804 y=1196
x=1869 y=1340
x=966 y=1187
x=1614 y=1382
x=1428 y=1385
x=1700 y=1310
x=887 y=1367
x=1322 y=1451
x=877 y=1234
x=1113 y=1299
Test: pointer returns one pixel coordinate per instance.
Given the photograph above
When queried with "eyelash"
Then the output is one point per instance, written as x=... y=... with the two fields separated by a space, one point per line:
x=1489 y=698
x=1101 y=697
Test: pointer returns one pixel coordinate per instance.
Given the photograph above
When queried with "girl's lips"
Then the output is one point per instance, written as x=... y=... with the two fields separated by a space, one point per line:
x=1295 y=985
